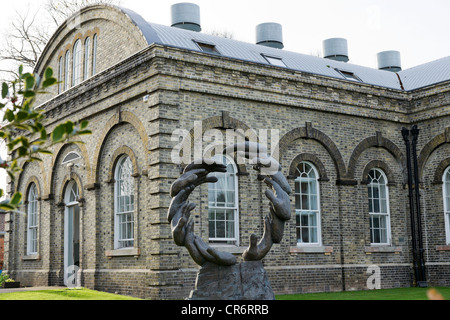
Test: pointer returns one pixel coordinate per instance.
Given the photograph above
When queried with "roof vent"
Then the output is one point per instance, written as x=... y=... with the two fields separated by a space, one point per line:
x=389 y=61
x=335 y=49
x=186 y=16
x=270 y=34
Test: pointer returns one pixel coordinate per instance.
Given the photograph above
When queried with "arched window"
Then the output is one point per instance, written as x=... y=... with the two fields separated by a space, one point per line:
x=446 y=190
x=307 y=205
x=378 y=196
x=124 y=204
x=32 y=228
x=66 y=70
x=223 y=204
x=77 y=55
x=94 y=54
x=60 y=74
x=71 y=156
x=87 y=48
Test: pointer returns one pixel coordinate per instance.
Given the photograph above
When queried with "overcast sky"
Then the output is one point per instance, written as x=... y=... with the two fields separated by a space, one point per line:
x=419 y=29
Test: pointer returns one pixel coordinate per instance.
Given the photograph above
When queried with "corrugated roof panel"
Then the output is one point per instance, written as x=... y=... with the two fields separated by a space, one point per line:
x=413 y=78
x=426 y=74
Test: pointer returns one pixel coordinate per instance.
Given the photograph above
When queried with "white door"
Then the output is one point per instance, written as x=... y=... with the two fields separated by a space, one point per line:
x=71 y=235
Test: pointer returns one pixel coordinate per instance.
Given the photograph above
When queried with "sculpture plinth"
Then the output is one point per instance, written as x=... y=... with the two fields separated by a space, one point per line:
x=221 y=277
x=244 y=281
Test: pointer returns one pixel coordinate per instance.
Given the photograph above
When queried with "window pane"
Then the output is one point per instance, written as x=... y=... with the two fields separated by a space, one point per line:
x=94 y=55
x=307 y=204
x=222 y=195
x=124 y=190
x=66 y=70
x=87 y=49
x=76 y=71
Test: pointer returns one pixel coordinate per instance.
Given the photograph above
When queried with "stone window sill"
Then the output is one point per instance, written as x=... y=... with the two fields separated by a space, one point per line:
x=382 y=249
x=32 y=257
x=131 y=252
x=327 y=250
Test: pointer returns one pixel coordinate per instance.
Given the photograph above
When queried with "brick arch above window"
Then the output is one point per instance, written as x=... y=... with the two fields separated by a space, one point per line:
x=123 y=150
x=378 y=164
x=309 y=158
x=32 y=181
x=377 y=141
x=65 y=182
x=438 y=174
x=118 y=118
x=308 y=132
x=224 y=121
x=428 y=149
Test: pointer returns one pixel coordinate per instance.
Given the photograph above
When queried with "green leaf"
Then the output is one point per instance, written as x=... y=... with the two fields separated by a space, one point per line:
x=58 y=133
x=48 y=73
x=5 y=90
x=29 y=82
x=84 y=124
x=16 y=198
x=9 y=115
x=49 y=82
x=69 y=127
x=22 y=115
x=29 y=94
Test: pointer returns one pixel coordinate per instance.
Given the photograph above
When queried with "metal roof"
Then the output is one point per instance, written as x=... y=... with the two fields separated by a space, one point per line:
x=410 y=79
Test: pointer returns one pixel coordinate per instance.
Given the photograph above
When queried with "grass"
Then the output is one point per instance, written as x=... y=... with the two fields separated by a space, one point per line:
x=383 y=294
x=87 y=294
x=63 y=294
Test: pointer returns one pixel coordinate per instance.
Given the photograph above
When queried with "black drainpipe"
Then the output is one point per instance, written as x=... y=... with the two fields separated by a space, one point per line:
x=405 y=134
x=423 y=281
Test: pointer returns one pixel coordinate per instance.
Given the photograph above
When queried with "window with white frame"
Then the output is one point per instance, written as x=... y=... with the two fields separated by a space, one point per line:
x=94 y=54
x=446 y=196
x=378 y=196
x=124 y=204
x=307 y=205
x=223 y=204
x=77 y=63
x=32 y=227
x=60 y=74
x=87 y=48
x=66 y=70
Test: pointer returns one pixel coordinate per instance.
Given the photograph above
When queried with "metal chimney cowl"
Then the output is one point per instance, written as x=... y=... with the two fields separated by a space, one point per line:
x=336 y=49
x=186 y=16
x=270 y=34
x=389 y=61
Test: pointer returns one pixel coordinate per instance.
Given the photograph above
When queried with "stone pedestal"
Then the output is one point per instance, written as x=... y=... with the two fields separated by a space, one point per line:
x=244 y=281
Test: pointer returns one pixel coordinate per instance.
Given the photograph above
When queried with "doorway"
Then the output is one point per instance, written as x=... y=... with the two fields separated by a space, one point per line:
x=71 y=235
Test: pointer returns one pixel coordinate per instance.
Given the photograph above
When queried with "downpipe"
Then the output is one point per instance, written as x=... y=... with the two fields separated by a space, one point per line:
x=423 y=281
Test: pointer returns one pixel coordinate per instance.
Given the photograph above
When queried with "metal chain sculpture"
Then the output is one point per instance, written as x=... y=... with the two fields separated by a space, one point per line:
x=196 y=174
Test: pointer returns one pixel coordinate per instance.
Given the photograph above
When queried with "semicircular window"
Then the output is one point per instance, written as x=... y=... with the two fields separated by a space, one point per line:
x=70 y=157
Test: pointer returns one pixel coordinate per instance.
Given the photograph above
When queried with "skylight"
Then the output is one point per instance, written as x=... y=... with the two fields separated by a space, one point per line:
x=348 y=75
x=207 y=47
x=275 y=61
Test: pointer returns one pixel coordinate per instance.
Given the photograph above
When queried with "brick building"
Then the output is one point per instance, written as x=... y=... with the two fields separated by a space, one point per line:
x=102 y=206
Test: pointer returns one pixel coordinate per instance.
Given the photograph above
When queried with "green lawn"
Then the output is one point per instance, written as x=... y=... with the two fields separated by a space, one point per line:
x=63 y=294
x=383 y=294
x=86 y=294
